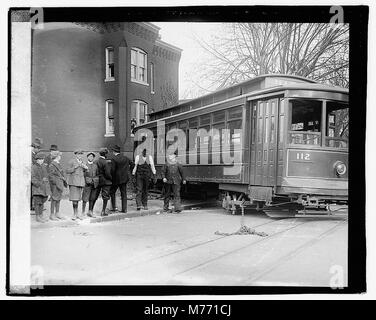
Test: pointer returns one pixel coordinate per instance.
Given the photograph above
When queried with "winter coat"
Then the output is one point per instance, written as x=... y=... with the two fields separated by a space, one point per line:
x=174 y=173
x=39 y=180
x=91 y=175
x=104 y=172
x=120 y=169
x=75 y=173
x=56 y=176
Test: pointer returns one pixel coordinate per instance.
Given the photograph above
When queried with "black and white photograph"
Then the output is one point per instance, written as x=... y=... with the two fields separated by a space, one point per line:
x=186 y=150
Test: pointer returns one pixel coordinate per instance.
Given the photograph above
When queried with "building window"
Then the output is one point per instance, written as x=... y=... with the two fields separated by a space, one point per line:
x=110 y=119
x=138 y=114
x=138 y=66
x=110 y=66
x=152 y=78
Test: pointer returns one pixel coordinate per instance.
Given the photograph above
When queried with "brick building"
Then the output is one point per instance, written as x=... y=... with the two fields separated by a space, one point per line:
x=91 y=81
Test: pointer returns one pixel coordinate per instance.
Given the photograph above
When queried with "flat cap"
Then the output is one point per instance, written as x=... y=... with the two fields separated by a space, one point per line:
x=40 y=156
x=103 y=150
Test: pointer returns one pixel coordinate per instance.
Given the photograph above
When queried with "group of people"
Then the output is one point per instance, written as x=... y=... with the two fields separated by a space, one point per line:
x=103 y=176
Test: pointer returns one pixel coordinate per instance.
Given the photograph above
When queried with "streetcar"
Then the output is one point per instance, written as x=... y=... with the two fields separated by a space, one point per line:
x=287 y=137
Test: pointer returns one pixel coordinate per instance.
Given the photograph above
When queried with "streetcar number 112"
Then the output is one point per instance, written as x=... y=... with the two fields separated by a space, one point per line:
x=303 y=156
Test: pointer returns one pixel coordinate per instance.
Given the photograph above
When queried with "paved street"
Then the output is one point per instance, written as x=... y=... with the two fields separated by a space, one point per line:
x=183 y=249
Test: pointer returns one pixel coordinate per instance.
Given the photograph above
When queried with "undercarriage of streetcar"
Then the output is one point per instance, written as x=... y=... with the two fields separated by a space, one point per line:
x=285 y=206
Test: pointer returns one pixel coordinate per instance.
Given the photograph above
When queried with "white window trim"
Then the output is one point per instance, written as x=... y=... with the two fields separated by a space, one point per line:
x=138 y=50
x=108 y=79
x=107 y=134
x=140 y=82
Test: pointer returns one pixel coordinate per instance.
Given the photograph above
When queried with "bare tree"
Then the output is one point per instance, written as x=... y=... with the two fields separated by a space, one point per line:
x=169 y=94
x=244 y=50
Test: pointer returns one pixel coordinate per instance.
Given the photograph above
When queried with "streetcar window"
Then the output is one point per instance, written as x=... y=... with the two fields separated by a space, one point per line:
x=235 y=132
x=205 y=119
x=337 y=124
x=305 y=122
x=171 y=127
x=193 y=123
x=217 y=138
x=183 y=126
x=192 y=139
x=203 y=137
x=235 y=113
x=219 y=116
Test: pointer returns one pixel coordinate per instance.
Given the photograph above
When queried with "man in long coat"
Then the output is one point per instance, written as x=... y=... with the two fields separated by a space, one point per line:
x=120 y=169
x=105 y=179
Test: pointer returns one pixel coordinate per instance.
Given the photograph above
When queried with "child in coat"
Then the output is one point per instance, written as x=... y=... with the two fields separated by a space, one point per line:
x=40 y=188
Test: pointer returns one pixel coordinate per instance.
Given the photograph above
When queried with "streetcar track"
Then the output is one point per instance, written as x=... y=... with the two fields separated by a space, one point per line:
x=173 y=252
x=293 y=253
x=239 y=249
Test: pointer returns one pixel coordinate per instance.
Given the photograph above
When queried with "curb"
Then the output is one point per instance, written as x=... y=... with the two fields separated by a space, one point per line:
x=121 y=216
x=116 y=216
x=141 y=213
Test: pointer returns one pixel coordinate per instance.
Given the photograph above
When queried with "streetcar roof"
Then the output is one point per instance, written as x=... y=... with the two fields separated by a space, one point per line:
x=268 y=84
x=259 y=83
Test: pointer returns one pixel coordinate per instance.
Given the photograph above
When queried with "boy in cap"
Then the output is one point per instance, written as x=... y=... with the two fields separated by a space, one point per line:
x=40 y=188
x=76 y=181
x=91 y=185
x=105 y=179
x=36 y=145
x=57 y=184
x=173 y=176
x=53 y=152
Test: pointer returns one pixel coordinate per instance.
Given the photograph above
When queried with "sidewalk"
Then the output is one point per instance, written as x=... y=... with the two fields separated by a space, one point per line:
x=155 y=207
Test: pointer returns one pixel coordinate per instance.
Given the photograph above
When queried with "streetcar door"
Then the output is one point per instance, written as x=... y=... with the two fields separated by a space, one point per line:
x=272 y=142
x=259 y=144
x=265 y=145
x=253 y=142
